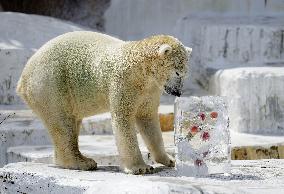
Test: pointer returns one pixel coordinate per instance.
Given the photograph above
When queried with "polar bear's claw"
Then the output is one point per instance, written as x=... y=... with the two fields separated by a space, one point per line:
x=166 y=160
x=140 y=169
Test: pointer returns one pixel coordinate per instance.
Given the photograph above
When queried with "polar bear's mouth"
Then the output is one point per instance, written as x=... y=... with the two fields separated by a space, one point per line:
x=174 y=86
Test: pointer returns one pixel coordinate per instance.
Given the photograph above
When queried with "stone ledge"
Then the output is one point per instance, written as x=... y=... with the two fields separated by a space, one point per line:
x=21 y=35
x=18 y=132
x=264 y=176
x=258 y=152
x=255 y=98
x=256 y=147
x=103 y=149
x=101 y=124
x=97 y=124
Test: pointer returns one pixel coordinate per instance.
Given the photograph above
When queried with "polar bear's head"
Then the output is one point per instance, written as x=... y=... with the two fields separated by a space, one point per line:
x=168 y=62
x=174 y=83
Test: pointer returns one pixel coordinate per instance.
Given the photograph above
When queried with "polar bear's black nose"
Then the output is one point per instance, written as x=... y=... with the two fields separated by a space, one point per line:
x=173 y=90
x=174 y=86
x=176 y=93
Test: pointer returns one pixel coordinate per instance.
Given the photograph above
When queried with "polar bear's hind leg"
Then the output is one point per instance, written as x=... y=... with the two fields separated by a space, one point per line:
x=64 y=131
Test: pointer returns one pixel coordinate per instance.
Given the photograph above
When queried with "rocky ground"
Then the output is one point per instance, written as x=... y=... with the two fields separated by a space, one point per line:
x=262 y=176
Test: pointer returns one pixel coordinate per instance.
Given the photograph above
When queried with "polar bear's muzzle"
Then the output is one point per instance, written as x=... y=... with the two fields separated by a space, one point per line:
x=174 y=86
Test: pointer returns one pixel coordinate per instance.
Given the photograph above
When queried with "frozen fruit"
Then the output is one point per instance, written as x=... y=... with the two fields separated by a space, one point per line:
x=198 y=162
x=202 y=116
x=202 y=136
x=205 y=136
x=194 y=129
x=214 y=115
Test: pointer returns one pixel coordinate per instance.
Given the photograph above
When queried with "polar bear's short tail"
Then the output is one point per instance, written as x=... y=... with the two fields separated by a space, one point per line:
x=19 y=86
x=20 y=89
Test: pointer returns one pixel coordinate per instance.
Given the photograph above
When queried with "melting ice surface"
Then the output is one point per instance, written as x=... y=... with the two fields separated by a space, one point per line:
x=202 y=136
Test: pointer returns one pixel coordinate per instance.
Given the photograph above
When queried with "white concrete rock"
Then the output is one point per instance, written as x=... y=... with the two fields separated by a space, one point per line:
x=17 y=132
x=255 y=97
x=220 y=43
x=103 y=149
x=143 y=18
x=20 y=36
x=22 y=128
x=234 y=40
x=101 y=124
x=263 y=176
x=98 y=124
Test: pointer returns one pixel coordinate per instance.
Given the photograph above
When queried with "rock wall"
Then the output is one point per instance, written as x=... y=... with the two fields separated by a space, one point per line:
x=222 y=33
x=255 y=96
x=133 y=19
x=20 y=36
x=88 y=13
x=222 y=43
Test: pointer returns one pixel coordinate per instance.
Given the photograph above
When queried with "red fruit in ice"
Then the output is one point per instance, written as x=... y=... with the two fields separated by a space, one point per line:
x=214 y=115
x=194 y=129
x=202 y=116
x=205 y=136
x=198 y=162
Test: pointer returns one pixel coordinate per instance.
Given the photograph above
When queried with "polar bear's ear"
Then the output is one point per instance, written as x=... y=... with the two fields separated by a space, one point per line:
x=164 y=50
x=188 y=50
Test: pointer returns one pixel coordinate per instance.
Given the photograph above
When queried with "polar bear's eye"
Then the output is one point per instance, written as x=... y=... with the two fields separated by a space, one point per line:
x=177 y=73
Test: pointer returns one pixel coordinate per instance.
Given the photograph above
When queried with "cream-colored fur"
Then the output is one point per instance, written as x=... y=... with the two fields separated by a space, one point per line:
x=80 y=74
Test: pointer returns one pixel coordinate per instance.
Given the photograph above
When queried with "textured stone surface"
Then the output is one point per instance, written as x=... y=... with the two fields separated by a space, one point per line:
x=258 y=152
x=20 y=36
x=18 y=132
x=98 y=124
x=255 y=147
x=85 y=12
x=101 y=124
x=102 y=148
x=221 y=43
x=221 y=39
x=265 y=176
x=255 y=96
x=123 y=18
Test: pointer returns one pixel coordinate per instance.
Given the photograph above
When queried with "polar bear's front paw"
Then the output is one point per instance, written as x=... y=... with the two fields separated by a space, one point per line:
x=166 y=160
x=85 y=163
x=79 y=163
x=139 y=169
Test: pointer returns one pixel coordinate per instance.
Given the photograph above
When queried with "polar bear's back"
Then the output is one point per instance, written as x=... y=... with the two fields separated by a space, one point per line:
x=87 y=36
x=81 y=40
x=65 y=61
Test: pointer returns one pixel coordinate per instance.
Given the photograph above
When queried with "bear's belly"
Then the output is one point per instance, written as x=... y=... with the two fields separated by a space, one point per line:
x=89 y=106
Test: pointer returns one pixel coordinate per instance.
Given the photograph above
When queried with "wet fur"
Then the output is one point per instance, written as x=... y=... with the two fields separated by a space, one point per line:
x=80 y=74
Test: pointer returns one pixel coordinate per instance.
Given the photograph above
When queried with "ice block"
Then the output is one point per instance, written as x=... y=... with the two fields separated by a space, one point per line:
x=202 y=136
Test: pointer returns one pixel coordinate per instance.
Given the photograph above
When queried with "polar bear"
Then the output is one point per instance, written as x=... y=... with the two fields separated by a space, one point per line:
x=83 y=73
